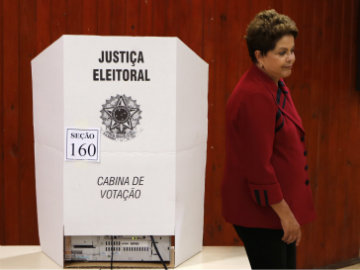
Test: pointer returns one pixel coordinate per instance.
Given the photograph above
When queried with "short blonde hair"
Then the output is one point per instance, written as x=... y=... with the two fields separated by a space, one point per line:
x=266 y=29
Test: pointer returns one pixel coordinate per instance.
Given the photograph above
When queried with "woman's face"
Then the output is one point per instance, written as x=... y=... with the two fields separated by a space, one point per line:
x=278 y=62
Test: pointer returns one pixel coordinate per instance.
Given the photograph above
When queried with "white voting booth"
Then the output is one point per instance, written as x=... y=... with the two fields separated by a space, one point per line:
x=120 y=129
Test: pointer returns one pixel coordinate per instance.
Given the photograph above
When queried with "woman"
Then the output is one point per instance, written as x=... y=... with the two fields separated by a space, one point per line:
x=266 y=191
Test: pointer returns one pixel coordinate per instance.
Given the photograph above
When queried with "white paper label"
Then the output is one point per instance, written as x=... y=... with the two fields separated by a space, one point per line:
x=82 y=144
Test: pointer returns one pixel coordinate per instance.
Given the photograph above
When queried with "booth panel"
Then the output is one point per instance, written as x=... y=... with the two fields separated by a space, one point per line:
x=124 y=194
x=190 y=186
x=48 y=101
x=136 y=107
x=49 y=197
x=191 y=98
x=136 y=112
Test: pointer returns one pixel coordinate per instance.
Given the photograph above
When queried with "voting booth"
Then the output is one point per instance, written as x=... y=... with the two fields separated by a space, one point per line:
x=120 y=128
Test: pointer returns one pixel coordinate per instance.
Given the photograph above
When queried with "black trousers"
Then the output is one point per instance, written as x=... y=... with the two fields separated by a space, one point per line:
x=266 y=250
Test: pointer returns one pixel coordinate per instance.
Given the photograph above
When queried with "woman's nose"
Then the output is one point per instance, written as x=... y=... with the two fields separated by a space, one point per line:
x=291 y=57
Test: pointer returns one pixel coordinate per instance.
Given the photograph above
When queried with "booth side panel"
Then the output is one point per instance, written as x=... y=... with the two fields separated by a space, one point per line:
x=191 y=142
x=49 y=196
x=190 y=186
x=48 y=100
x=191 y=98
x=48 y=103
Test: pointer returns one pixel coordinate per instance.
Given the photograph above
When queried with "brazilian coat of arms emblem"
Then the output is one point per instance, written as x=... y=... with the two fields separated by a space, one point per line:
x=120 y=115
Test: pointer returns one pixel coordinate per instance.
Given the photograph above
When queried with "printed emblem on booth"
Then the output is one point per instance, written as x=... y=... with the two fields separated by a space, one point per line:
x=121 y=115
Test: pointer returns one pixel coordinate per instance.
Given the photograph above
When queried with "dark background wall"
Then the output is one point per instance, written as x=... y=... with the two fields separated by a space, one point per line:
x=322 y=84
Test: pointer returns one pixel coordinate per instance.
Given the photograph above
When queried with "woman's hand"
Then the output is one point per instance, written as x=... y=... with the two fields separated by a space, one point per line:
x=292 y=231
x=291 y=227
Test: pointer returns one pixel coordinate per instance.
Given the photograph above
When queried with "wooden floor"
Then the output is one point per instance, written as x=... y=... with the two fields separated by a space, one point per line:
x=31 y=257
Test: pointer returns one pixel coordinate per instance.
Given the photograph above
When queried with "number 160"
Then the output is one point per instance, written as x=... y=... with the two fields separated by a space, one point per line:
x=83 y=151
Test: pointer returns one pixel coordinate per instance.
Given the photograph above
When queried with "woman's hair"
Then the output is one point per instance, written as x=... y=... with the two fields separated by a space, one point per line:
x=266 y=29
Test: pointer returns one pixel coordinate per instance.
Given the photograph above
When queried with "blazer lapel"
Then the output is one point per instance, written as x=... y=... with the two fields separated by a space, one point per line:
x=294 y=119
x=289 y=110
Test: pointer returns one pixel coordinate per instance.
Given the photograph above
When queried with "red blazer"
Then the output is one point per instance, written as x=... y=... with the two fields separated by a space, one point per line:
x=265 y=154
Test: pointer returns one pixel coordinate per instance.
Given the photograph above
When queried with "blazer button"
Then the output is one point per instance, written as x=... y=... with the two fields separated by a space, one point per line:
x=305 y=153
x=307 y=182
x=306 y=167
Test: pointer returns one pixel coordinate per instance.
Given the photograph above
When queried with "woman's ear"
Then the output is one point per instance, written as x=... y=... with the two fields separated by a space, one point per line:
x=258 y=55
